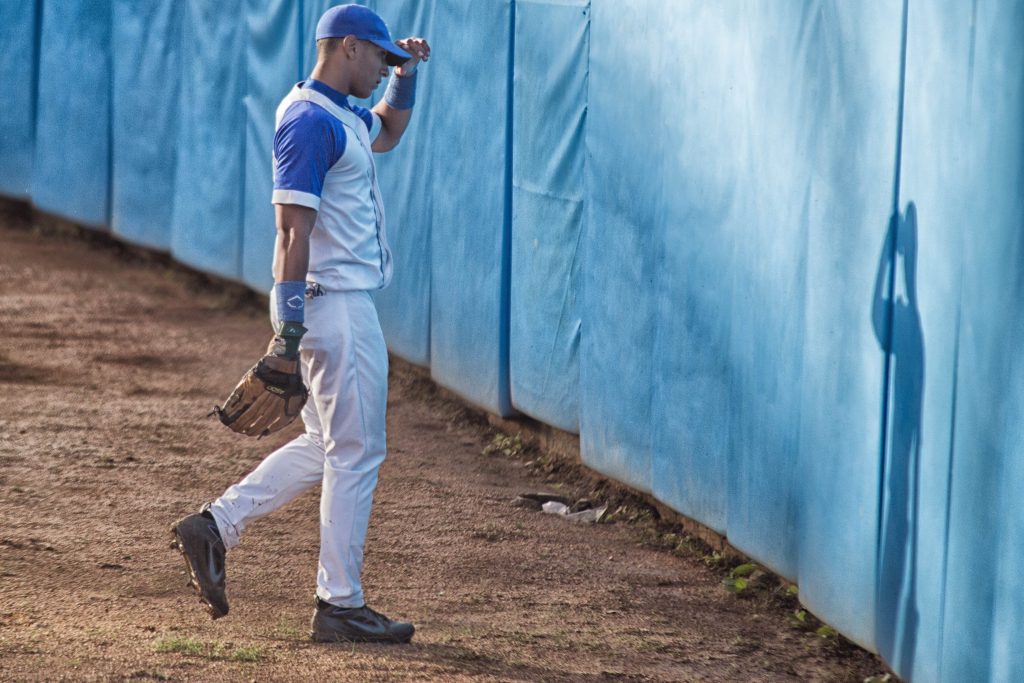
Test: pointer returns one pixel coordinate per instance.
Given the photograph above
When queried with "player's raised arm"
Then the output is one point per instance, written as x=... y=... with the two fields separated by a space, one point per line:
x=395 y=108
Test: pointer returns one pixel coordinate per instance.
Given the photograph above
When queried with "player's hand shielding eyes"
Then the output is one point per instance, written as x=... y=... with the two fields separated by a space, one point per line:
x=418 y=48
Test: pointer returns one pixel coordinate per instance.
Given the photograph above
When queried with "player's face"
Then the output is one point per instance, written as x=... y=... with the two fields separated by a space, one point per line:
x=373 y=68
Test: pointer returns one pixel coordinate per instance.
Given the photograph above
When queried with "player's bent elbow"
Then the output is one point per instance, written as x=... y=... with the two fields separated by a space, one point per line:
x=382 y=144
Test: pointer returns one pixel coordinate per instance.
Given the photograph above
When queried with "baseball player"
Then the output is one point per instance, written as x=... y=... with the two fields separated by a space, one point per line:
x=331 y=252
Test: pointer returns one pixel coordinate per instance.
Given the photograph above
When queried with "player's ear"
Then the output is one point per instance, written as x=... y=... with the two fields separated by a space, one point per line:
x=348 y=44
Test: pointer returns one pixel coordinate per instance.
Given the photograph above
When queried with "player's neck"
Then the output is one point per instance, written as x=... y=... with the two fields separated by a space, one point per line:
x=332 y=76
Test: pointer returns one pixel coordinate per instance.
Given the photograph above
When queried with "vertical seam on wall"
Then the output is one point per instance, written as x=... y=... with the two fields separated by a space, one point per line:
x=956 y=378
x=175 y=53
x=37 y=31
x=244 y=115
x=110 y=118
x=421 y=19
x=504 y=377
x=299 y=42
x=899 y=115
x=583 y=213
x=588 y=207
x=949 y=477
x=887 y=374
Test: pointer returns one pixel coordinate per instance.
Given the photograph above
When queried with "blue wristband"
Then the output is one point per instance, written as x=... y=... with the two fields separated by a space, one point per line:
x=290 y=301
x=401 y=92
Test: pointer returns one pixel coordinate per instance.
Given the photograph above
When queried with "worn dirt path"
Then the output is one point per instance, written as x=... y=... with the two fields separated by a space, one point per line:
x=108 y=367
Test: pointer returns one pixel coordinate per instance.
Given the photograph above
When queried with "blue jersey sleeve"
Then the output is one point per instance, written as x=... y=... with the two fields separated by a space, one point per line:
x=307 y=143
x=371 y=120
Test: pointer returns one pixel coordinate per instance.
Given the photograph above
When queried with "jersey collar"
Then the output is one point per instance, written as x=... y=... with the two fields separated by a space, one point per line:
x=333 y=95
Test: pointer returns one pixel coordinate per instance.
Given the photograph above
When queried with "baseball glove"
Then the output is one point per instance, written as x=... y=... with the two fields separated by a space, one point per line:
x=268 y=398
x=270 y=395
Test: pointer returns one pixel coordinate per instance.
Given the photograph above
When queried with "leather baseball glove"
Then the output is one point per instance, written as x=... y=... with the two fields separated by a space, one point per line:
x=271 y=394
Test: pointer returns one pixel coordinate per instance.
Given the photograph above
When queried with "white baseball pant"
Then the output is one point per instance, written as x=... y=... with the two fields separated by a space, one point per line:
x=345 y=366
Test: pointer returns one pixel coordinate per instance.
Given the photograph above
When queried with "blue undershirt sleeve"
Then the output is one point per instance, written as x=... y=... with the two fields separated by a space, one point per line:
x=371 y=120
x=365 y=114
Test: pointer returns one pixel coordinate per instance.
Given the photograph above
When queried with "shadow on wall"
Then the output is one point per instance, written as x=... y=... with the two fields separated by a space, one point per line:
x=897 y=326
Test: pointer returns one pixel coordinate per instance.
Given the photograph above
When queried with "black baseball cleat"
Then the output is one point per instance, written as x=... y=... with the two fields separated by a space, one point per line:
x=356 y=625
x=197 y=538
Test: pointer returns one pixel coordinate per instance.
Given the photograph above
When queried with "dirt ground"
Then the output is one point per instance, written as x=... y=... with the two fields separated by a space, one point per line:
x=108 y=367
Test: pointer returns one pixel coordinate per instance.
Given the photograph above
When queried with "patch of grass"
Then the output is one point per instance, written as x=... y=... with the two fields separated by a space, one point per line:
x=805 y=621
x=213 y=651
x=826 y=631
x=503 y=444
x=247 y=653
x=544 y=463
x=741 y=578
x=185 y=646
x=286 y=631
x=745 y=569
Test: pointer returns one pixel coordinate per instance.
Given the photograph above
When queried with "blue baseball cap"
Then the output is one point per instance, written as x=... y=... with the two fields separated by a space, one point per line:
x=363 y=23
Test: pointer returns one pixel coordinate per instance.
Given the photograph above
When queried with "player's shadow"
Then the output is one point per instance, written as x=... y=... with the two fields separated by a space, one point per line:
x=897 y=326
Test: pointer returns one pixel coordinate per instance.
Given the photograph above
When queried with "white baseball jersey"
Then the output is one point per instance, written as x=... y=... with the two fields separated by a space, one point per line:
x=322 y=159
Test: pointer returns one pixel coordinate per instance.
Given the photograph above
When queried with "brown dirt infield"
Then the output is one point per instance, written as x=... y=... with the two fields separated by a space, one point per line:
x=109 y=363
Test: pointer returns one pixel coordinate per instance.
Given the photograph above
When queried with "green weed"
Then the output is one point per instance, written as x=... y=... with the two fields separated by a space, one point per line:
x=503 y=444
x=740 y=578
x=247 y=653
x=185 y=646
x=213 y=651
x=286 y=631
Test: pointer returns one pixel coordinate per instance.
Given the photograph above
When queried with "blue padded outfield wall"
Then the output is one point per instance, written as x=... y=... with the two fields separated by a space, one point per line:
x=71 y=160
x=145 y=120
x=19 y=49
x=549 y=113
x=764 y=258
